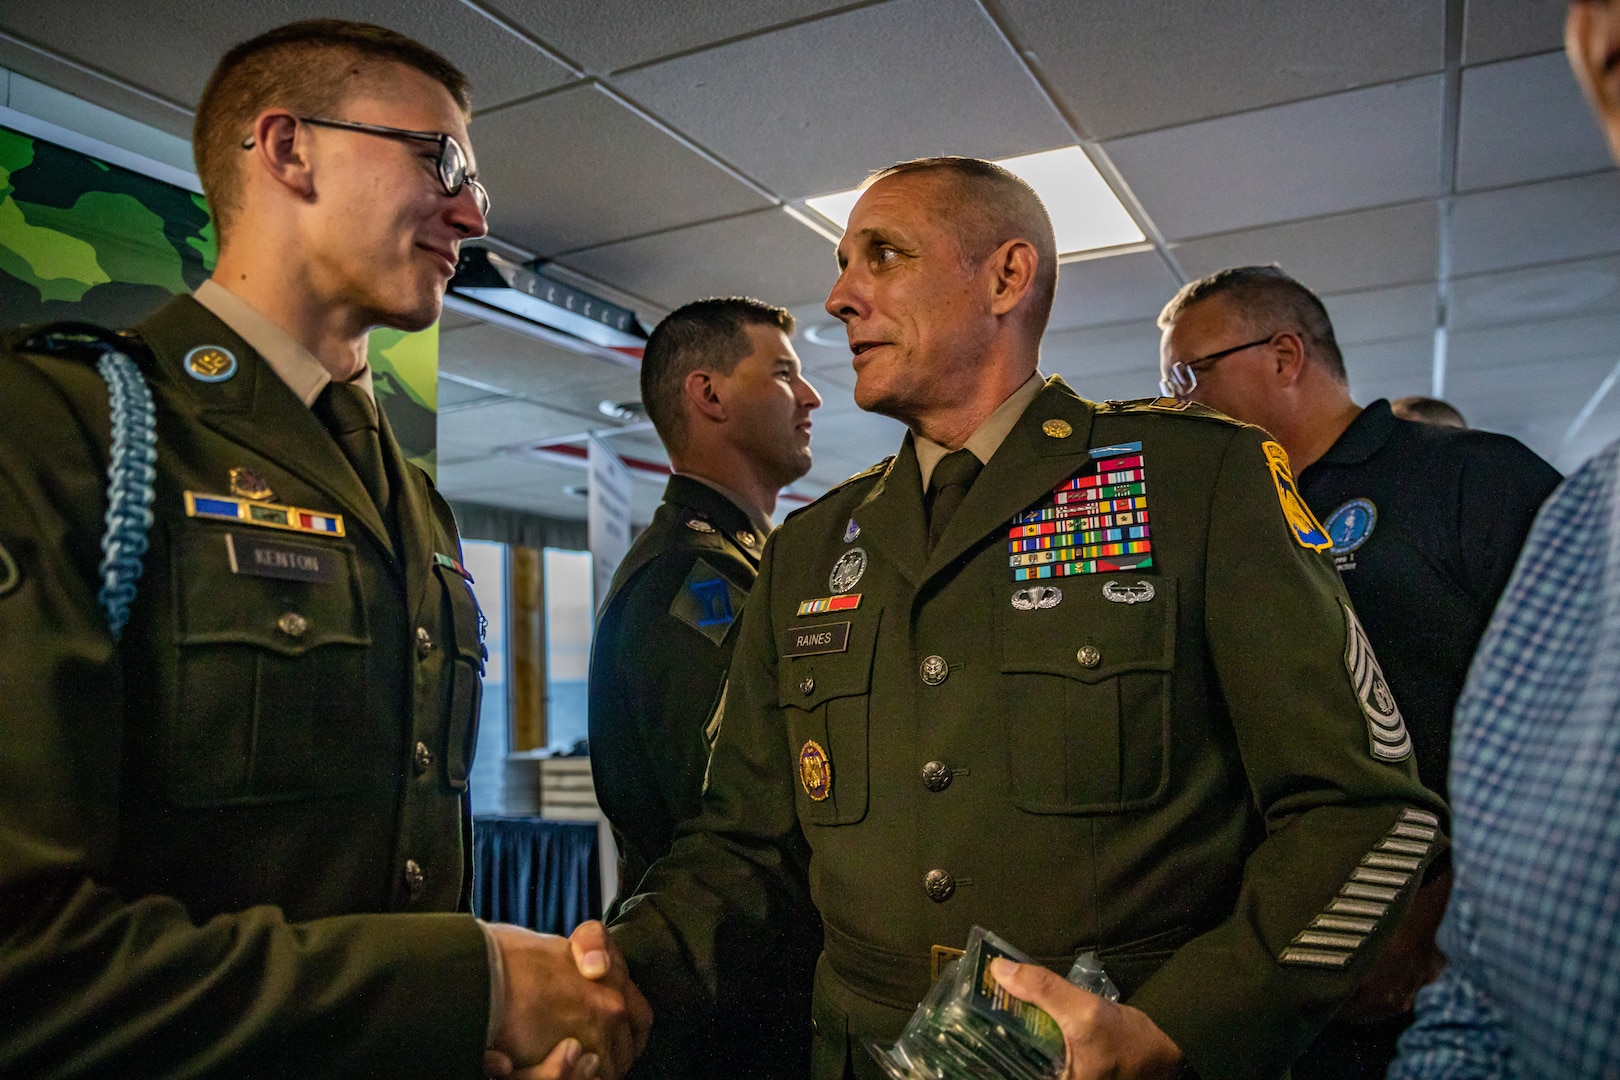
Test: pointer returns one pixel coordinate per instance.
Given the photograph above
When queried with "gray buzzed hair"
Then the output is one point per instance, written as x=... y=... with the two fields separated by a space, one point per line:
x=705 y=335
x=990 y=205
x=1270 y=302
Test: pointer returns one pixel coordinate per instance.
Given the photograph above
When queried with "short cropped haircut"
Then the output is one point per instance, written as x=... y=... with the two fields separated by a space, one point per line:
x=309 y=68
x=1269 y=301
x=1428 y=410
x=705 y=335
x=988 y=207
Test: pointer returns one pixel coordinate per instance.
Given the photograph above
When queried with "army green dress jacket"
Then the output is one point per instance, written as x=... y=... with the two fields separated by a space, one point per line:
x=1123 y=705
x=235 y=843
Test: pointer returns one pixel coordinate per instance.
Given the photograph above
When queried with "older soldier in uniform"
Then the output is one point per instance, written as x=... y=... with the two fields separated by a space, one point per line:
x=1092 y=683
x=234 y=834
x=724 y=389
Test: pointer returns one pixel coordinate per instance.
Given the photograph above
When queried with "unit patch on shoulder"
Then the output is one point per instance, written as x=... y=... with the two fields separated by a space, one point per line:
x=10 y=575
x=1095 y=522
x=1387 y=737
x=1301 y=522
x=708 y=602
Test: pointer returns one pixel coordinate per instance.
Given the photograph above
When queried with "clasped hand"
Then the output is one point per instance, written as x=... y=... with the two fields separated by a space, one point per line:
x=1102 y=1039
x=572 y=1012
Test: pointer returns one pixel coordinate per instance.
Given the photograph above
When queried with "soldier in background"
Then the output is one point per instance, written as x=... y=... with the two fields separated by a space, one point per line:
x=234 y=831
x=725 y=391
x=1428 y=410
x=1079 y=673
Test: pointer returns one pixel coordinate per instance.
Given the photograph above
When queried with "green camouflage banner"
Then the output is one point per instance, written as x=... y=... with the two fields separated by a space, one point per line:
x=83 y=239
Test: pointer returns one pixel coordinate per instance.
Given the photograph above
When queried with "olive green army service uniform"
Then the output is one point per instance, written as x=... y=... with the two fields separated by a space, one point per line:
x=663 y=643
x=1191 y=766
x=200 y=826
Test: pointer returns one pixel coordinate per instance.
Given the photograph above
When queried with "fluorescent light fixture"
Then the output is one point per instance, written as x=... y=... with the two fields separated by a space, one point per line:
x=490 y=280
x=1086 y=214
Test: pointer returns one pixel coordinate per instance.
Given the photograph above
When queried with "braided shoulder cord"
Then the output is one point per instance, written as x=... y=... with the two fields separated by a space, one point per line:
x=131 y=471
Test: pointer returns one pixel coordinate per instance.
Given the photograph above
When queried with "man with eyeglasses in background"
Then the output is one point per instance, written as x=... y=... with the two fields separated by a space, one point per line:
x=1426 y=523
x=241 y=681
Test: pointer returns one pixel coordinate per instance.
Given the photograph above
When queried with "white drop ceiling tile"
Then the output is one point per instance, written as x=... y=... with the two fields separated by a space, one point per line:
x=170 y=48
x=452 y=320
x=1553 y=221
x=1525 y=120
x=1390 y=368
x=1497 y=29
x=454 y=395
x=576 y=168
x=525 y=367
x=481 y=431
x=1118 y=288
x=606 y=35
x=1543 y=292
x=1363 y=148
x=1348 y=252
x=813 y=108
x=1552 y=386
x=1382 y=314
x=1130 y=67
x=1547 y=341
x=458 y=478
x=767 y=255
x=1081 y=354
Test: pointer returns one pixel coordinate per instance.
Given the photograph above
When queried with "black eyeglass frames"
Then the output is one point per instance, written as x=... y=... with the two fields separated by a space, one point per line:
x=1182 y=379
x=453 y=172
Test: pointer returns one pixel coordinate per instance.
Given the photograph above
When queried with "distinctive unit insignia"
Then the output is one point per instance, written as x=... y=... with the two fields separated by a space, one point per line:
x=1351 y=524
x=815 y=771
x=1037 y=597
x=852 y=531
x=268 y=515
x=210 y=363
x=1386 y=730
x=1096 y=522
x=1301 y=522
x=847 y=571
x=250 y=485
x=847 y=602
x=1140 y=593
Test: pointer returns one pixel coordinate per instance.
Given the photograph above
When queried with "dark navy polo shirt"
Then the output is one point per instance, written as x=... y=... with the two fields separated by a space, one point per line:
x=1426 y=523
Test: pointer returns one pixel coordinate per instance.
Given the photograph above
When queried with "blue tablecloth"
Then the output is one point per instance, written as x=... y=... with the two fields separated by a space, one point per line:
x=545 y=875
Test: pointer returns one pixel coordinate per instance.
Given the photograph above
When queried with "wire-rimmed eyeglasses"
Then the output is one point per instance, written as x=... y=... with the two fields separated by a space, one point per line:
x=1182 y=379
x=452 y=163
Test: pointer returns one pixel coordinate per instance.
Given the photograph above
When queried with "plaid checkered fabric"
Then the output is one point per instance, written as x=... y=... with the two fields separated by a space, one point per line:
x=1533 y=928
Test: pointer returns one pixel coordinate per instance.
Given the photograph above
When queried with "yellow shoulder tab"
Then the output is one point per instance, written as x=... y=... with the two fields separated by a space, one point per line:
x=1301 y=522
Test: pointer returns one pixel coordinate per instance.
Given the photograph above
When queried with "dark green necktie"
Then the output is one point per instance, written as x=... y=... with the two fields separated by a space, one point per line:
x=350 y=416
x=947 y=487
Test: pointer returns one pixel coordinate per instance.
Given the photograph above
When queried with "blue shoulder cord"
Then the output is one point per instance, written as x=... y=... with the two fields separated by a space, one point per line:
x=131 y=471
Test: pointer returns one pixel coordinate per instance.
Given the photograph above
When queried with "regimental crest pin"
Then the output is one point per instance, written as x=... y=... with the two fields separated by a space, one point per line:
x=248 y=484
x=847 y=571
x=210 y=363
x=852 y=532
x=1140 y=593
x=815 y=771
x=1037 y=598
x=1386 y=730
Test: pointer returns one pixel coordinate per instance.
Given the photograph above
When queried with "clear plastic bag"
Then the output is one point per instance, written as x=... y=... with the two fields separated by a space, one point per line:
x=969 y=1027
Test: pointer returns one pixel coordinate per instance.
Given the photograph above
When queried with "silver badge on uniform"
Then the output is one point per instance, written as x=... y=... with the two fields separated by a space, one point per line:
x=699 y=525
x=1386 y=730
x=1037 y=597
x=1140 y=593
x=847 y=571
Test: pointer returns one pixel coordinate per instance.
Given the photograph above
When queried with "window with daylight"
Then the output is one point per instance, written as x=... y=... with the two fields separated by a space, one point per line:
x=570 y=616
x=487 y=562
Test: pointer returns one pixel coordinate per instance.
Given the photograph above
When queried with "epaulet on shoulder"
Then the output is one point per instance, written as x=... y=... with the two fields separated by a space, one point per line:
x=81 y=341
x=874 y=470
x=1167 y=406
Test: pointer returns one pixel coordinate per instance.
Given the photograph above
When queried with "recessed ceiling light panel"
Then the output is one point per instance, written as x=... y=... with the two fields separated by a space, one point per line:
x=1086 y=214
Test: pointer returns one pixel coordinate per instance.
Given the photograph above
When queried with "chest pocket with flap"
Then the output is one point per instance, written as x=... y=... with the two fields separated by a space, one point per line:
x=825 y=699
x=271 y=701
x=1088 y=708
x=466 y=675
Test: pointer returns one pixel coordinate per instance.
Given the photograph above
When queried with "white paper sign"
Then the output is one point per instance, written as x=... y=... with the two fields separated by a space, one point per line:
x=607 y=517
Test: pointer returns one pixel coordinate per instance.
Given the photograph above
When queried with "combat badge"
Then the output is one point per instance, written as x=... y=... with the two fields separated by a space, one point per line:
x=847 y=571
x=1301 y=522
x=250 y=485
x=210 y=363
x=815 y=771
x=1386 y=730
x=708 y=602
x=1095 y=522
x=1140 y=593
x=10 y=576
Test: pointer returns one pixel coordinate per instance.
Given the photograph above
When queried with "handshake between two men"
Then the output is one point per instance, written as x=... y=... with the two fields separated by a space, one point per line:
x=569 y=1010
